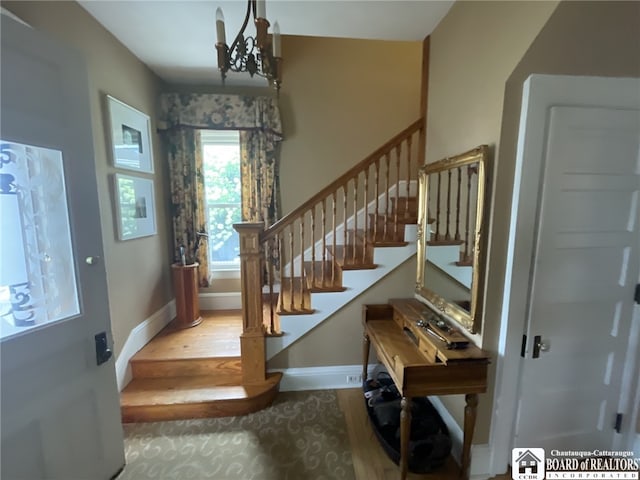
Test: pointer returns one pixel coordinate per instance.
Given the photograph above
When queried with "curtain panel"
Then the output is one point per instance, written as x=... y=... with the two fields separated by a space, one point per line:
x=258 y=120
x=184 y=154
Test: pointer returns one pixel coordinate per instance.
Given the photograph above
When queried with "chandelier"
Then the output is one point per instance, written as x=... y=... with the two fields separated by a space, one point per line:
x=257 y=55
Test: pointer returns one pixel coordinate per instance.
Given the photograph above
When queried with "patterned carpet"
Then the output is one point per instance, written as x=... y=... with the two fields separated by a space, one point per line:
x=302 y=436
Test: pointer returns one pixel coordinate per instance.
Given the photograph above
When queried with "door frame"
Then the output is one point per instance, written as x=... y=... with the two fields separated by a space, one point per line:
x=540 y=92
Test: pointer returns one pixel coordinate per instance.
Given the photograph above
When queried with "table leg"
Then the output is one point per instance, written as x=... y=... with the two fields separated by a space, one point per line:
x=470 y=411
x=366 y=345
x=405 y=434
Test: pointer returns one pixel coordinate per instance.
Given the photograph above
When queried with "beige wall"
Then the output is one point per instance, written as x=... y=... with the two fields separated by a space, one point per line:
x=496 y=46
x=473 y=51
x=138 y=276
x=580 y=38
x=340 y=100
x=338 y=340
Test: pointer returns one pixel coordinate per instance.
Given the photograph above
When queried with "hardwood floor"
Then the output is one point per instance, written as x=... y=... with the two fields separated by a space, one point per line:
x=370 y=461
x=217 y=336
x=194 y=372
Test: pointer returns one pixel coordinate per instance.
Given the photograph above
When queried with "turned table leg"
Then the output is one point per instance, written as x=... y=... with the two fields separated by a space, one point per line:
x=470 y=411
x=366 y=345
x=405 y=433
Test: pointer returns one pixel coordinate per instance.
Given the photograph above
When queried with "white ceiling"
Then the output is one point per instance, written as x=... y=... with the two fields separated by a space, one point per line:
x=176 y=38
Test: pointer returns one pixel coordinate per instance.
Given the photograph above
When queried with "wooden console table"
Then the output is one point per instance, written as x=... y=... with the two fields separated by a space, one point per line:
x=423 y=365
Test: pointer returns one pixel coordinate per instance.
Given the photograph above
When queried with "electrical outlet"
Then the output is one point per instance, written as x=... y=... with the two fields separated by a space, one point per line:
x=354 y=379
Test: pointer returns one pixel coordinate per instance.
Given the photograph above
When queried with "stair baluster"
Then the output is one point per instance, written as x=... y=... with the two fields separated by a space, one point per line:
x=408 y=181
x=377 y=191
x=447 y=235
x=397 y=204
x=366 y=213
x=301 y=289
x=437 y=236
x=457 y=235
x=324 y=241
x=355 y=216
x=387 y=163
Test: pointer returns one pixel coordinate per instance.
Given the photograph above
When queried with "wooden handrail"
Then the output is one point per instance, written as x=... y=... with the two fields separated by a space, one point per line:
x=341 y=181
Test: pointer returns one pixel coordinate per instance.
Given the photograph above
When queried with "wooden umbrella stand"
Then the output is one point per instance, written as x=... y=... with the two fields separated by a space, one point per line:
x=185 y=284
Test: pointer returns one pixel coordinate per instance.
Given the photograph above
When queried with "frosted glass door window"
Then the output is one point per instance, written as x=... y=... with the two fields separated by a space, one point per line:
x=37 y=274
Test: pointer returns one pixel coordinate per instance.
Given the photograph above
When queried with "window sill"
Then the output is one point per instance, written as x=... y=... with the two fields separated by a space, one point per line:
x=224 y=274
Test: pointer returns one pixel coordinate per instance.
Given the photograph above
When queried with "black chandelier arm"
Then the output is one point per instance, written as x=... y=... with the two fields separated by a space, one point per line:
x=251 y=6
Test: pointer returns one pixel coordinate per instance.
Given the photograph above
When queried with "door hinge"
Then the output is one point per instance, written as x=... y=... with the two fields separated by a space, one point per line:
x=618 y=425
x=636 y=297
x=523 y=348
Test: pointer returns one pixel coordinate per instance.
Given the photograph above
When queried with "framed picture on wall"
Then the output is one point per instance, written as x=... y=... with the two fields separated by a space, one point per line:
x=130 y=135
x=135 y=207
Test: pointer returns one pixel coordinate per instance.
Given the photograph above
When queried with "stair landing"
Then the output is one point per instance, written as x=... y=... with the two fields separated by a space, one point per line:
x=194 y=373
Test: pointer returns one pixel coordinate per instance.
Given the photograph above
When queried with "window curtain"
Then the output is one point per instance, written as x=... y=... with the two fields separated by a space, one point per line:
x=258 y=120
x=184 y=154
x=260 y=179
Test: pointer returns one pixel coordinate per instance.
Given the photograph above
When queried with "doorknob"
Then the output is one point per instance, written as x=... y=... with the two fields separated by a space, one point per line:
x=92 y=260
x=539 y=346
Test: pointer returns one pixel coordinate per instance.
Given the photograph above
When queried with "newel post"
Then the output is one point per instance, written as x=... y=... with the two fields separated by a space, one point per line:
x=252 y=340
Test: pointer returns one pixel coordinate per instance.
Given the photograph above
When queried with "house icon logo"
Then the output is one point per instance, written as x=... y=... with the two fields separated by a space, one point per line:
x=527 y=463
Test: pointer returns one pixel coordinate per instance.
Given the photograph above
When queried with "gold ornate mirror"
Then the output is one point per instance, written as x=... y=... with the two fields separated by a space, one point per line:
x=451 y=237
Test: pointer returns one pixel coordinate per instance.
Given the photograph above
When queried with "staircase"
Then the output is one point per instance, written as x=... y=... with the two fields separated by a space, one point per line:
x=295 y=274
x=194 y=373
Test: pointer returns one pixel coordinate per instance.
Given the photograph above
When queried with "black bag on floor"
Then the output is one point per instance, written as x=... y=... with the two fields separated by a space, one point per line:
x=430 y=443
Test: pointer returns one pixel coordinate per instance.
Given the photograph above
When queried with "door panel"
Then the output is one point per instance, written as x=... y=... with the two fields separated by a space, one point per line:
x=585 y=265
x=60 y=410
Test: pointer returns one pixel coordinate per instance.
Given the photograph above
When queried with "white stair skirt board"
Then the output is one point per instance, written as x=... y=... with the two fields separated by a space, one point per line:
x=480 y=454
x=139 y=337
x=327 y=303
x=445 y=257
x=322 y=378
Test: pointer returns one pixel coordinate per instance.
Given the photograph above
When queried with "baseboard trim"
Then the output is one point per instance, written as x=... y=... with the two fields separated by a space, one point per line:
x=320 y=378
x=220 y=301
x=139 y=337
x=480 y=454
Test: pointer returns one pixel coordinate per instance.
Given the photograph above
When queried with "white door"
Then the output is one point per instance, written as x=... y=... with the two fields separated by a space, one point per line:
x=573 y=263
x=584 y=275
x=60 y=415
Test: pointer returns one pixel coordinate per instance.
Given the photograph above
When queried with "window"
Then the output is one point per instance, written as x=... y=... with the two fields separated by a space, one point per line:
x=221 y=160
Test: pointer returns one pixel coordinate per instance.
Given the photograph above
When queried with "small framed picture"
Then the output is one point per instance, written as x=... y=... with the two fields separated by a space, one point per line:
x=130 y=137
x=135 y=207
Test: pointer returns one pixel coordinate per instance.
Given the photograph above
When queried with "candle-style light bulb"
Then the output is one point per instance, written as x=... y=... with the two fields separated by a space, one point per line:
x=261 y=9
x=220 y=26
x=277 y=47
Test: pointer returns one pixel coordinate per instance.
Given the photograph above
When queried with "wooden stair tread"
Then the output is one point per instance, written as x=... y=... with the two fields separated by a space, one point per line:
x=185 y=389
x=344 y=256
x=299 y=303
x=217 y=336
x=175 y=398
x=400 y=203
x=315 y=270
x=223 y=366
x=443 y=242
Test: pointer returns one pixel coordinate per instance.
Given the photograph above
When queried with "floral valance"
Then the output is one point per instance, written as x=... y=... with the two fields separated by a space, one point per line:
x=219 y=112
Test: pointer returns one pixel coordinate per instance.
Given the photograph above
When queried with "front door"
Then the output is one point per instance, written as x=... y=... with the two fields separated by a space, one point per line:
x=585 y=265
x=60 y=416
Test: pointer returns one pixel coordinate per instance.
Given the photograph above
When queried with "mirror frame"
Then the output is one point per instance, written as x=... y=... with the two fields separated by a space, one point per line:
x=472 y=320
